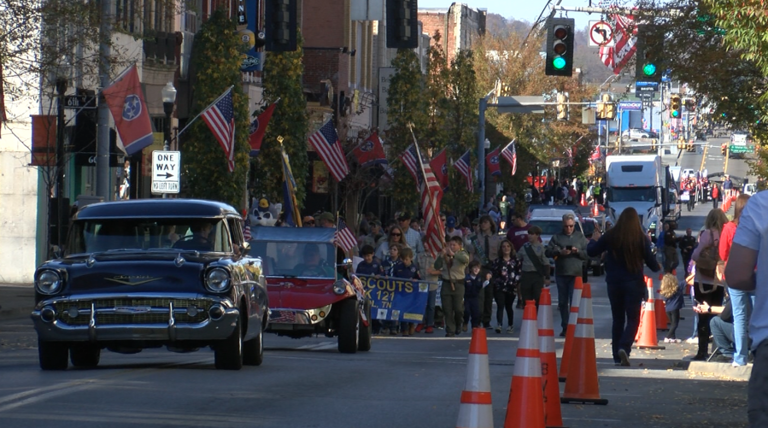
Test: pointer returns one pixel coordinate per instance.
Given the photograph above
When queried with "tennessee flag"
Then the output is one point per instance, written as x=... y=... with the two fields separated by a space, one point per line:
x=371 y=152
x=492 y=160
x=440 y=168
x=259 y=128
x=126 y=102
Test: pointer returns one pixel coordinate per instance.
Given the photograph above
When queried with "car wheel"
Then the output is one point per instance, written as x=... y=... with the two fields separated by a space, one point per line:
x=253 y=351
x=349 y=322
x=364 y=337
x=228 y=354
x=85 y=355
x=53 y=355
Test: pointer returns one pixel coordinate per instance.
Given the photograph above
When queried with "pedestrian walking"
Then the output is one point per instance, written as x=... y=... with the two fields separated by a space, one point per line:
x=686 y=244
x=473 y=287
x=484 y=247
x=671 y=260
x=742 y=302
x=715 y=195
x=707 y=287
x=626 y=249
x=569 y=249
x=534 y=267
x=452 y=263
x=672 y=292
x=506 y=277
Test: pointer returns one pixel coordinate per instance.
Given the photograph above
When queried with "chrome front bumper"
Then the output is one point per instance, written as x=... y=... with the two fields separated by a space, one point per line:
x=170 y=329
x=286 y=319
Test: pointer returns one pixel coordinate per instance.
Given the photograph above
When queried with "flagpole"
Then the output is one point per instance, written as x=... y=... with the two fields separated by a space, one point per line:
x=431 y=205
x=201 y=112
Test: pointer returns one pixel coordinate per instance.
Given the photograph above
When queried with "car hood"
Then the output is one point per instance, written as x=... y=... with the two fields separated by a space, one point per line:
x=298 y=293
x=131 y=275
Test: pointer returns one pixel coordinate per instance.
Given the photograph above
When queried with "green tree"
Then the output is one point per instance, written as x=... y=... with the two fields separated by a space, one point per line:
x=283 y=79
x=406 y=106
x=216 y=57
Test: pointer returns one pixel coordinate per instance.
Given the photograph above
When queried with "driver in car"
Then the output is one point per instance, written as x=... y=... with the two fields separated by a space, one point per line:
x=313 y=265
x=199 y=240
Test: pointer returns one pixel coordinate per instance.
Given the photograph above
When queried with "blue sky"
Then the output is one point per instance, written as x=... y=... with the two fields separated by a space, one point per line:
x=527 y=10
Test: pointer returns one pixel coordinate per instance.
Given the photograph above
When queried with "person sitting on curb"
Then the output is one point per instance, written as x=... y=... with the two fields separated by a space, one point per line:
x=721 y=327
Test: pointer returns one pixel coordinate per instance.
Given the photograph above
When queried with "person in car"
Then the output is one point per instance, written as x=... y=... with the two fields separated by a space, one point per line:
x=314 y=265
x=199 y=240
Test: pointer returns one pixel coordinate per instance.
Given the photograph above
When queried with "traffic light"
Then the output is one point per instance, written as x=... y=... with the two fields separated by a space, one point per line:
x=559 y=47
x=674 y=106
x=600 y=110
x=280 y=25
x=649 y=51
x=402 y=24
x=562 y=106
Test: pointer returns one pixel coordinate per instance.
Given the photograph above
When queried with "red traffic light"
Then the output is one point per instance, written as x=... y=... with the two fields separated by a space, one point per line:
x=561 y=32
x=559 y=48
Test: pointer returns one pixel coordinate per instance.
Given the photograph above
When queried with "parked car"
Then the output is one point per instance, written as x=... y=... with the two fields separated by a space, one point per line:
x=750 y=189
x=149 y=273
x=634 y=133
x=688 y=172
x=307 y=292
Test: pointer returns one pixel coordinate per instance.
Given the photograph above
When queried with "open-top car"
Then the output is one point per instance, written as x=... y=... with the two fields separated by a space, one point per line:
x=308 y=293
x=151 y=273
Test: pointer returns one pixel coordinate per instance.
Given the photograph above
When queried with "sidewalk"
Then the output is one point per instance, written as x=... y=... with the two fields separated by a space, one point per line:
x=16 y=301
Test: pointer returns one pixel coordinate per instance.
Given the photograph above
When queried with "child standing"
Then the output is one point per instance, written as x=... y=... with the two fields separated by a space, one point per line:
x=406 y=269
x=389 y=264
x=452 y=264
x=473 y=286
x=370 y=264
x=506 y=275
x=672 y=292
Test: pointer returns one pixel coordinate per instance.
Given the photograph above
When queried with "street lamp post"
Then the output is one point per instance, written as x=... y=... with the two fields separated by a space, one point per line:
x=168 y=94
x=62 y=77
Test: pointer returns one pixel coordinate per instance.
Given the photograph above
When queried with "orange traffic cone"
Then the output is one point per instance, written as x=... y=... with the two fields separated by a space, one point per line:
x=475 y=410
x=661 y=312
x=646 y=335
x=583 y=201
x=572 y=317
x=552 y=414
x=581 y=385
x=525 y=408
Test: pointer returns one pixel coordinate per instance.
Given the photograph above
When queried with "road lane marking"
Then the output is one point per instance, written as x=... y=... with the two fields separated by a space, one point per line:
x=23 y=394
x=86 y=384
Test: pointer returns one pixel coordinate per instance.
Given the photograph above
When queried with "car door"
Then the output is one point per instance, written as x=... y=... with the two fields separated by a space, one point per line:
x=249 y=270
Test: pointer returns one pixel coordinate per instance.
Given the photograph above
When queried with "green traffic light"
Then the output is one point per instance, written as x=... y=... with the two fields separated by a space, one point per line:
x=675 y=113
x=649 y=69
x=558 y=63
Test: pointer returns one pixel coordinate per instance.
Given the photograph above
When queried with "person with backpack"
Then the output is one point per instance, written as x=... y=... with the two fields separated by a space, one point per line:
x=707 y=286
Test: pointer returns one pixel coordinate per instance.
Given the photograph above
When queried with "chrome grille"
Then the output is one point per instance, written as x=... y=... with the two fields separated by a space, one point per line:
x=151 y=311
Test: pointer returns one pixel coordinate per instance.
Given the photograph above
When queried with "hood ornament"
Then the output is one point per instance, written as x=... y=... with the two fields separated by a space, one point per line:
x=179 y=260
x=90 y=261
x=132 y=279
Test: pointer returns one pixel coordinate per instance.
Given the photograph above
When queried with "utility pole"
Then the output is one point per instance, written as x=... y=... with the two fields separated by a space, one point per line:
x=103 y=177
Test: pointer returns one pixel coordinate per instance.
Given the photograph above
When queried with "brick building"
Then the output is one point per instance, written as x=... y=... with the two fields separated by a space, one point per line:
x=459 y=26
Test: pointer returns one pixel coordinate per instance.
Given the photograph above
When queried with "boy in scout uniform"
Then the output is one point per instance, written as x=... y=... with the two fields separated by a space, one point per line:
x=452 y=263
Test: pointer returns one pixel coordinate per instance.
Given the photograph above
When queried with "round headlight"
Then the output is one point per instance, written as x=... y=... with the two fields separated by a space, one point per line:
x=48 y=282
x=217 y=280
x=339 y=287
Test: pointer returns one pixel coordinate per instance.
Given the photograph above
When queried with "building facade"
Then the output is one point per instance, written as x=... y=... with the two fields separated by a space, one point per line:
x=459 y=26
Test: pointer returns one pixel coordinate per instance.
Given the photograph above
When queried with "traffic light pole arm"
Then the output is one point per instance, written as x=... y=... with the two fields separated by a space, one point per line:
x=550 y=103
x=620 y=11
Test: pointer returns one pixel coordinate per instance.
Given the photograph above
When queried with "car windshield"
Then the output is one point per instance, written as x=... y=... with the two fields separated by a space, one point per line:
x=296 y=259
x=550 y=227
x=127 y=234
x=631 y=194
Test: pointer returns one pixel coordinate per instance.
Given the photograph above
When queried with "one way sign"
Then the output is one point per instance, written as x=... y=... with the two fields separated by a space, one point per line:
x=166 y=166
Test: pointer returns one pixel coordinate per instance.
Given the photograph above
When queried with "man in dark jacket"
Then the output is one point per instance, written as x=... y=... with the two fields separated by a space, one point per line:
x=686 y=244
x=671 y=260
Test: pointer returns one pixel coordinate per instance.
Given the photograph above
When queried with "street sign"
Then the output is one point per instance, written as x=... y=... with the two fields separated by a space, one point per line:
x=520 y=104
x=166 y=167
x=79 y=102
x=646 y=87
x=630 y=105
x=600 y=34
x=647 y=103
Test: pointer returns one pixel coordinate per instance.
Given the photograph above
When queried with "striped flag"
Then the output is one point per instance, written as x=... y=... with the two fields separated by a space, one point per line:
x=431 y=194
x=509 y=152
x=344 y=237
x=409 y=159
x=326 y=142
x=616 y=57
x=569 y=152
x=247 y=233
x=220 y=118
x=463 y=166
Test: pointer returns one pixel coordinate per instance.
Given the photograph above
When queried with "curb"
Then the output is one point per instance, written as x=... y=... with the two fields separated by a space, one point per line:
x=724 y=370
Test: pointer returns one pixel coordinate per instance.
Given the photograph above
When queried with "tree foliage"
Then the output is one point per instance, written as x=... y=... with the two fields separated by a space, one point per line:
x=216 y=57
x=283 y=79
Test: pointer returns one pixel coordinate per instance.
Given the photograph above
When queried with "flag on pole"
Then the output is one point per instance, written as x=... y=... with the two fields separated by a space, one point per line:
x=126 y=102
x=290 y=206
x=408 y=157
x=431 y=194
x=370 y=152
x=344 y=237
x=509 y=152
x=569 y=152
x=492 y=159
x=616 y=57
x=220 y=118
x=463 y=166
x=259 y=128
x=439 y=167
x=326 y=142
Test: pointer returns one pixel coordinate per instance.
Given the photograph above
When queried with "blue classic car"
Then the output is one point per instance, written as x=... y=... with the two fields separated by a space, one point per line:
x=150 y=273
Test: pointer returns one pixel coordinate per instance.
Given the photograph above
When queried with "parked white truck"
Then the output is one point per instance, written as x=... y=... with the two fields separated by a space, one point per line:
x=641 y=182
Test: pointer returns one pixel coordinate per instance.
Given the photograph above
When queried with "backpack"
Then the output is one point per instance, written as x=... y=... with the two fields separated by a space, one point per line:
x=709 y=258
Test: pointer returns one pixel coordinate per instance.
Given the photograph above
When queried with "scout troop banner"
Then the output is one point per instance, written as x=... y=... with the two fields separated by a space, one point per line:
x=396 y=299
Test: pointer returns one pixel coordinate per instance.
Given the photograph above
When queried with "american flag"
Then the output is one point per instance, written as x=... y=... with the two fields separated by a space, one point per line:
x=616 y=57
x=569 y=152
x=408 y=157
x=326 y=142
x=344 y=237
x=220 y=117
x=431 y=194
x=247 y=233
x=510 y=154
x=463 y=165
